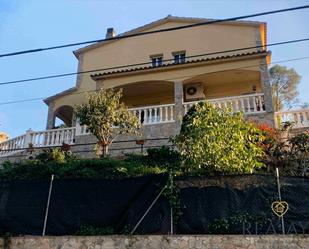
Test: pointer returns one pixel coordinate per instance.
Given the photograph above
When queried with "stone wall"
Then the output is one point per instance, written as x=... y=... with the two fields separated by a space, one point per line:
x=262 y=118
x=159 y=242
x=125 y=144
x=154 y=135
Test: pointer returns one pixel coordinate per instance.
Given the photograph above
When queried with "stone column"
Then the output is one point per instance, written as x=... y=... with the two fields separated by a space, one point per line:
x=269 y=116
x=266 y=88
x=178 y=111
x=50 y=117
x=99 y=84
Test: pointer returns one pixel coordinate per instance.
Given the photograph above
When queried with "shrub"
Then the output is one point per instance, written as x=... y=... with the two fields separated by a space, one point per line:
x=234 y=224
x=56 y=155
x=88 y=230
x=51 y=155
x=290 y=155
x=85 y=168
x=297 y=154
x=214 y=140
x=163 y=157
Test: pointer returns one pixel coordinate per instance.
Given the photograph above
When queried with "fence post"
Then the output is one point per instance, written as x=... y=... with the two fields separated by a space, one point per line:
x=147 y=211
x=47 y=206
x=279 y=195
x=78 y=129
x=172 y=221
x=28 y=138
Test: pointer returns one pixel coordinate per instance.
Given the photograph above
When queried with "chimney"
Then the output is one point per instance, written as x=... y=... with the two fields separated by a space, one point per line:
x=110 y=32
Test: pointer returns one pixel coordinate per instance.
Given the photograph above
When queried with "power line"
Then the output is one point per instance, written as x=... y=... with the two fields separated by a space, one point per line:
x=147 y=63
x=41 y=98
x=123 y=36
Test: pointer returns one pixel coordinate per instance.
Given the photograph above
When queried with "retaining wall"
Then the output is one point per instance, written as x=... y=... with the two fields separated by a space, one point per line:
x=158 y=242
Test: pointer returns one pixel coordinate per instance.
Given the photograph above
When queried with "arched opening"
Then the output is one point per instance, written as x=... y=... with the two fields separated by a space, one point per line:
x=65 y=114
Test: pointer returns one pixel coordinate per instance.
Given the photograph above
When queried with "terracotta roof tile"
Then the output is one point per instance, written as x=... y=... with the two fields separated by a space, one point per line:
x=188 y=61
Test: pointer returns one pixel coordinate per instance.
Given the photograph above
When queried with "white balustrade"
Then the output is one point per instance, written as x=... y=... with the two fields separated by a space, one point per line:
x=248 y=104
x=154 y=114
x=298 y=118
x=12 y=146
x=148 y=115
x=53 y=137
x=81 y=130
x=45 y=138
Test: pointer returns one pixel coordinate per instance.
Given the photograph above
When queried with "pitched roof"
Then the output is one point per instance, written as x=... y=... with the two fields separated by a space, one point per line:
x=205 y=59
x=161 y=21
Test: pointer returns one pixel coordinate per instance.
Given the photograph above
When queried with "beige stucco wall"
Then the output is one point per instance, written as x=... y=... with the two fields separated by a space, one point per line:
x=178 y=73
x=182 y=72
x=159 y=241
x=196 y=40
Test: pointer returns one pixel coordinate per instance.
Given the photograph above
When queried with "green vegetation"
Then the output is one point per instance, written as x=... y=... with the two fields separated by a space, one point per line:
x=103 y=111
x=88 y=230
x=164 y=157
x=77 y=168
x=284 y=82
x=234 y=224
x=211 y=142
x=214 y=140
x=290 y=154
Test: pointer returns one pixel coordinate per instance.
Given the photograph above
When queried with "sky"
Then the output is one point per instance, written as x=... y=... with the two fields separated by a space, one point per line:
x=42 y=23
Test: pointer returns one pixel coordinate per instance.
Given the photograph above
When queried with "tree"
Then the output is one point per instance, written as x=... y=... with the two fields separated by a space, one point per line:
x=215 y=140
x=284 y=84
x=106 y=117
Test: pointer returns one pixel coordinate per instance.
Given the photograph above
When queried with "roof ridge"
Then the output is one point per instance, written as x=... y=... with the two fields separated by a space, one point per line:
x=162 y=20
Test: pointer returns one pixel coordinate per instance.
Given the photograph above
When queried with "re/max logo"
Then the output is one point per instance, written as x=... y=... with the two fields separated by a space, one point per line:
x=274 y=228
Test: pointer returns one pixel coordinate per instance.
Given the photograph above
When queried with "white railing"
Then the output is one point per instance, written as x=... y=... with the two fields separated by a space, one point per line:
x=154 y=114
x=52 y=137
x=82 y=129
x=11 y=146
x=47 y=138
x=298 y=118
x=147 y=115
x=248 y=104
x=159 y=114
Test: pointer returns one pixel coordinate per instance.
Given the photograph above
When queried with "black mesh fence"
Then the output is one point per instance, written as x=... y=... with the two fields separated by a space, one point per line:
x=242 y=204
x=209 y=205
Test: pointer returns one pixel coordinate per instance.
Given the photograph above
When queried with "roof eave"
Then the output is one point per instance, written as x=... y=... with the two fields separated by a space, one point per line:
x=48 y=100
x=170 y=66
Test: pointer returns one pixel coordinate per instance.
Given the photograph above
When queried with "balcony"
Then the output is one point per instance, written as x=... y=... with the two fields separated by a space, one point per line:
x=147 y=115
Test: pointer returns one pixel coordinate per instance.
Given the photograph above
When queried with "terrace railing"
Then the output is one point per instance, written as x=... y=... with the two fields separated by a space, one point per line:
x=148 y=115
x=248 y=104
x=45 y=138
x=298 y=118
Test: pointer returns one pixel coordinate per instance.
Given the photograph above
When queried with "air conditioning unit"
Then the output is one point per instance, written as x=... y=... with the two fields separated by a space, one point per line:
x=194 y=92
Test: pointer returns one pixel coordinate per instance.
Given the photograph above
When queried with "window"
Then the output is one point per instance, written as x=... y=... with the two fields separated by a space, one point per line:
x=156 y=60
x=179 y=57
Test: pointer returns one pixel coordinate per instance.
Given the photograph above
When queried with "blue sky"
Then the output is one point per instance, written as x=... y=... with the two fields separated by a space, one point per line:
x=41 y=23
